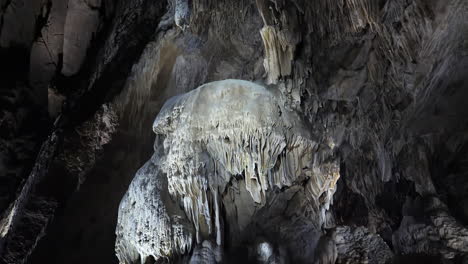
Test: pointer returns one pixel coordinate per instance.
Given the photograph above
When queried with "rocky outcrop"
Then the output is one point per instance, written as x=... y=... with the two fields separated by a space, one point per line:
x=442 y=232
x=47 y=49
x=358 y=245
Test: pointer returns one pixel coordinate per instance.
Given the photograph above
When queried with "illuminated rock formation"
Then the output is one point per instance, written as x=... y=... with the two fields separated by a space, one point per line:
x=228 y=145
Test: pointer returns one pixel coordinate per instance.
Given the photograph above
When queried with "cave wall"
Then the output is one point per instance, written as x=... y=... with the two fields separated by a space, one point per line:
x=382 y=84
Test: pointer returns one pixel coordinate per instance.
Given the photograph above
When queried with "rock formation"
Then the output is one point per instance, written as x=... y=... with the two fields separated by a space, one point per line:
x=227 y=148
x=274 y=123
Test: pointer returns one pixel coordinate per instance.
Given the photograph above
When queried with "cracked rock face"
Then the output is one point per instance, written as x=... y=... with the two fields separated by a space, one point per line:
x=224 y=153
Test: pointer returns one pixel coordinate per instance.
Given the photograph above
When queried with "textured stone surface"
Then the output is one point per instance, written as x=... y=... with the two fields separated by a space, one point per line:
x=47 y=49
x=381 y=86
x=19 y=31
x=223 y=136
x=358 y=245
x=81 y=25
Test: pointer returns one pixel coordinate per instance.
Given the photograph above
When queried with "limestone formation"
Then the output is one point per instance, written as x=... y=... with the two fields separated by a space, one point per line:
x=359 y=245
x=205 y=139
x=182 y=13
x=309 y=116
x=207 y=252
x=81 y=26
x=326 y=251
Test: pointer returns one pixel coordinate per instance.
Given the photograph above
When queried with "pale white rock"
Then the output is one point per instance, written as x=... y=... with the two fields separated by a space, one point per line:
x=264 y=252
x=279 y=53
x=6 y=220
x=242 y=127
x=227 y=144
x=182 y=13
x=149 y=223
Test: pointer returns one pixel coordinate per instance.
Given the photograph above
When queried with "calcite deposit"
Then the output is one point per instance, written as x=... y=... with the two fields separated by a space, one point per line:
x=226 y=142
x=233 y=131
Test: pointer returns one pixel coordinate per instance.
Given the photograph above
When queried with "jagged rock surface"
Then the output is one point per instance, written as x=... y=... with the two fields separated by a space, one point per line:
x=358 y=245
x=228 y=145
x=381 y=86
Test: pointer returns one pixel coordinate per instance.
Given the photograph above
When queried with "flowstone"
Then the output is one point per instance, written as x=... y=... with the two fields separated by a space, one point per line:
x=223 y=153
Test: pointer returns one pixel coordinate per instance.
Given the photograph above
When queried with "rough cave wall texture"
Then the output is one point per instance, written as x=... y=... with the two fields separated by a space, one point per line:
x=380 y=87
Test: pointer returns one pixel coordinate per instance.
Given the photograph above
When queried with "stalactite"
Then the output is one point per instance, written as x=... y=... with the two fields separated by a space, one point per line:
x=228 y=127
